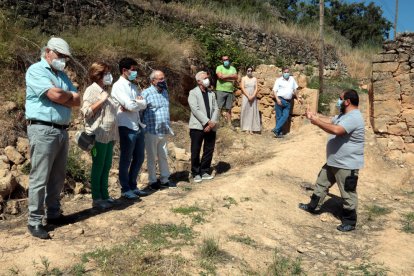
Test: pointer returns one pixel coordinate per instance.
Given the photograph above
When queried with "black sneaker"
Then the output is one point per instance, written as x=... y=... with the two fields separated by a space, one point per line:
x=165 y=185
x=345 y=227
x=60 y=220
x=155 y=186
x=307 y=208
x=38 y=231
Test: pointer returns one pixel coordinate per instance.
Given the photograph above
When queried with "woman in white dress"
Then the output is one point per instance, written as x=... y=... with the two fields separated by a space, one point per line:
x=249 y=118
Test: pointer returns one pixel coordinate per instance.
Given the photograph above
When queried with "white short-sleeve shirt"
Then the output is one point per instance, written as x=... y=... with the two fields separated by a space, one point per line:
x=285 y=88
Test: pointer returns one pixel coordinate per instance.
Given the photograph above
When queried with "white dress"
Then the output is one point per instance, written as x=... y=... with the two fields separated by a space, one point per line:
x=250 y=117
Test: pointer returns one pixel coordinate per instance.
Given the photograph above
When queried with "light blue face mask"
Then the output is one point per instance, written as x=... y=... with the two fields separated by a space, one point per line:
x=226 y=63
x=286 y=75
x=133 y=75
x=339 y=104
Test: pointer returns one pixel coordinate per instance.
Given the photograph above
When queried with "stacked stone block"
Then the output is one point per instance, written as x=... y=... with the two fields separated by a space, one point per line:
x=266 y=76
x=392 y=98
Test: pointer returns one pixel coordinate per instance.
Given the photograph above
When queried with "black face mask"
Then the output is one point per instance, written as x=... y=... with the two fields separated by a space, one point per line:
x=343 y=107
x=162 y=84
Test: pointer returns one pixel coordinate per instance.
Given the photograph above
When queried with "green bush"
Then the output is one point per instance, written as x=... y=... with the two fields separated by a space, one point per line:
x=77 y=169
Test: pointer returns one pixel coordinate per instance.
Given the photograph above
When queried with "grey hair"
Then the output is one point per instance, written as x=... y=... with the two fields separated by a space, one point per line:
x=198 y=75
x=43 y=51
x=153 y=73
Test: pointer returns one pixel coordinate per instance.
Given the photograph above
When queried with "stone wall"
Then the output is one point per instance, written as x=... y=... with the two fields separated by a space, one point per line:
x=392 y=98
x=57 y=15
x=266 y=76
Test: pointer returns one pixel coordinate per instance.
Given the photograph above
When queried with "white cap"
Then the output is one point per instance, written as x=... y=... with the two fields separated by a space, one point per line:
x=59 y=45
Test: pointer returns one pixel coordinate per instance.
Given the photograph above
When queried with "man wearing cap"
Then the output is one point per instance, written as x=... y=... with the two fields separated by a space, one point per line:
x=50 y=95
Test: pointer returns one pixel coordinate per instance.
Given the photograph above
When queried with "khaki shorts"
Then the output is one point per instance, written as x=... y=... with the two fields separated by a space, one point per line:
x=224 y=99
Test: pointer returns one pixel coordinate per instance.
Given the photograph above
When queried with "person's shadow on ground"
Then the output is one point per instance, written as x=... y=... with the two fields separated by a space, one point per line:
x=333 y=205
x=120 y=204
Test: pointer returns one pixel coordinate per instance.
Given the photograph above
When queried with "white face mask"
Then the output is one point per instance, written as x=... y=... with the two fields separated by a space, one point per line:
x=107 y=79
x=206 y=82
x=59 y=64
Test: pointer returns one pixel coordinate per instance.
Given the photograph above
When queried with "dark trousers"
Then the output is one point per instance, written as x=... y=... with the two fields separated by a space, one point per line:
x=197 y=137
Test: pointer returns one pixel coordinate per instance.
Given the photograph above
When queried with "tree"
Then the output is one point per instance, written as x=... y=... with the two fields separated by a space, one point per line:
x=357 y=22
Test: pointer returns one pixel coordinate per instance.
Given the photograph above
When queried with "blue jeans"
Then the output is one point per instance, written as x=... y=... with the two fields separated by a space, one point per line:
x=132 y=146
x=282 y=115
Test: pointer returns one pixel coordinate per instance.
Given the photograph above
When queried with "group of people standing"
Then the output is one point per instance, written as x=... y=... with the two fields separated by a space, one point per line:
x=140 y=121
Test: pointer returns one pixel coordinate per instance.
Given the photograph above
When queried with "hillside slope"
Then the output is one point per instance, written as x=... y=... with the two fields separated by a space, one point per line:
x=250 y=211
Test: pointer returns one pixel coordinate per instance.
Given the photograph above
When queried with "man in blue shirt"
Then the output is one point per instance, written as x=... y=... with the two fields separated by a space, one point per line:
x=50 y=95
x=345 y=156
x=157 y=121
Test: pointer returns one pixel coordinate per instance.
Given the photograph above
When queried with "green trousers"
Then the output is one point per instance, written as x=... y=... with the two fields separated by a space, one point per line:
x=101 y=164
x=327 y=177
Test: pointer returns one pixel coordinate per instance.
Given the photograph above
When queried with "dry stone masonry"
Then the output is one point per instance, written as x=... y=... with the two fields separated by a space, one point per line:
x=266 y=76
x=55 y=16
x=392 y=98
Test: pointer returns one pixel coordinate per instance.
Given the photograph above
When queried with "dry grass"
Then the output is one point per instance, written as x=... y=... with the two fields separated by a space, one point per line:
x=150 y=42
x=358 y=60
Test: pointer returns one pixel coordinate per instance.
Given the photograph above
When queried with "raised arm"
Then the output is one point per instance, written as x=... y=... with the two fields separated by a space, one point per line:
x=325 y=125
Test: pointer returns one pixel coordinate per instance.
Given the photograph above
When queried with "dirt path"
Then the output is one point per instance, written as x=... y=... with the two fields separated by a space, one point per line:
x=258 y=202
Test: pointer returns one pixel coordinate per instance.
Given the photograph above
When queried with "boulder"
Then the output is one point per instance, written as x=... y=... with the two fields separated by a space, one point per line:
x=13 y=155
x=7 y=183
x=23 y=181
x=4 y=163
x=182 y=166
x=171 y=148
x=23 y=145
x=302 y=81
x=12 y=207
x=236 y=110
x=181 y=154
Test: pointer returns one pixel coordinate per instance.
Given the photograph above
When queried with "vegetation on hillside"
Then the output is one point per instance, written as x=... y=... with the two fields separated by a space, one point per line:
x=291 y=18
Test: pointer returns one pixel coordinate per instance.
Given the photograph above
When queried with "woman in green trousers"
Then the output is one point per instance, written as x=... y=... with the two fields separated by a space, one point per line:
x=99 y=111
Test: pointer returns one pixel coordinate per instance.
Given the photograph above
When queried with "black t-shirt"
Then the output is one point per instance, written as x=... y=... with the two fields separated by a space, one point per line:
x=206 y=102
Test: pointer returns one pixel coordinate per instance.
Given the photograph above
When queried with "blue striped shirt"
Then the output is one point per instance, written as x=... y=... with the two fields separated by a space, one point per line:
x=157 y=114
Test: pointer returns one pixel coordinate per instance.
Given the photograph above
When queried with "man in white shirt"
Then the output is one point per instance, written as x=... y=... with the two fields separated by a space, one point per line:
x=284 y=91
x=131 y=133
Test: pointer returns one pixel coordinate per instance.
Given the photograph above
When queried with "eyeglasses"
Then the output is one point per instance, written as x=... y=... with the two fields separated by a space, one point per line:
x=249 y=70
x=59 y=55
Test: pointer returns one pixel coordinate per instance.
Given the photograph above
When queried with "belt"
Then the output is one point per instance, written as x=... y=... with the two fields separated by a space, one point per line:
x=38 y=122
x=285 y=99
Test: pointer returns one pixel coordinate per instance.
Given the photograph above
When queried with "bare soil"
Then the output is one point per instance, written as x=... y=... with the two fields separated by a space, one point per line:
x=254 y=197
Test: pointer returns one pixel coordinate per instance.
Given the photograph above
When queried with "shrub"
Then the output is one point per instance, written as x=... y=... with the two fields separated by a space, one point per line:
x=77 y=169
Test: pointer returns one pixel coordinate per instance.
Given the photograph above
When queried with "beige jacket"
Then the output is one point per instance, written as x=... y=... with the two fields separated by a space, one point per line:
x=198 y=118
x=103 y=122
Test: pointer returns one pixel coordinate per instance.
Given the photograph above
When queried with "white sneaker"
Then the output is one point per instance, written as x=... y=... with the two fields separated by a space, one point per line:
x=207 y=176
x=197 y=178
x=101 y=204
